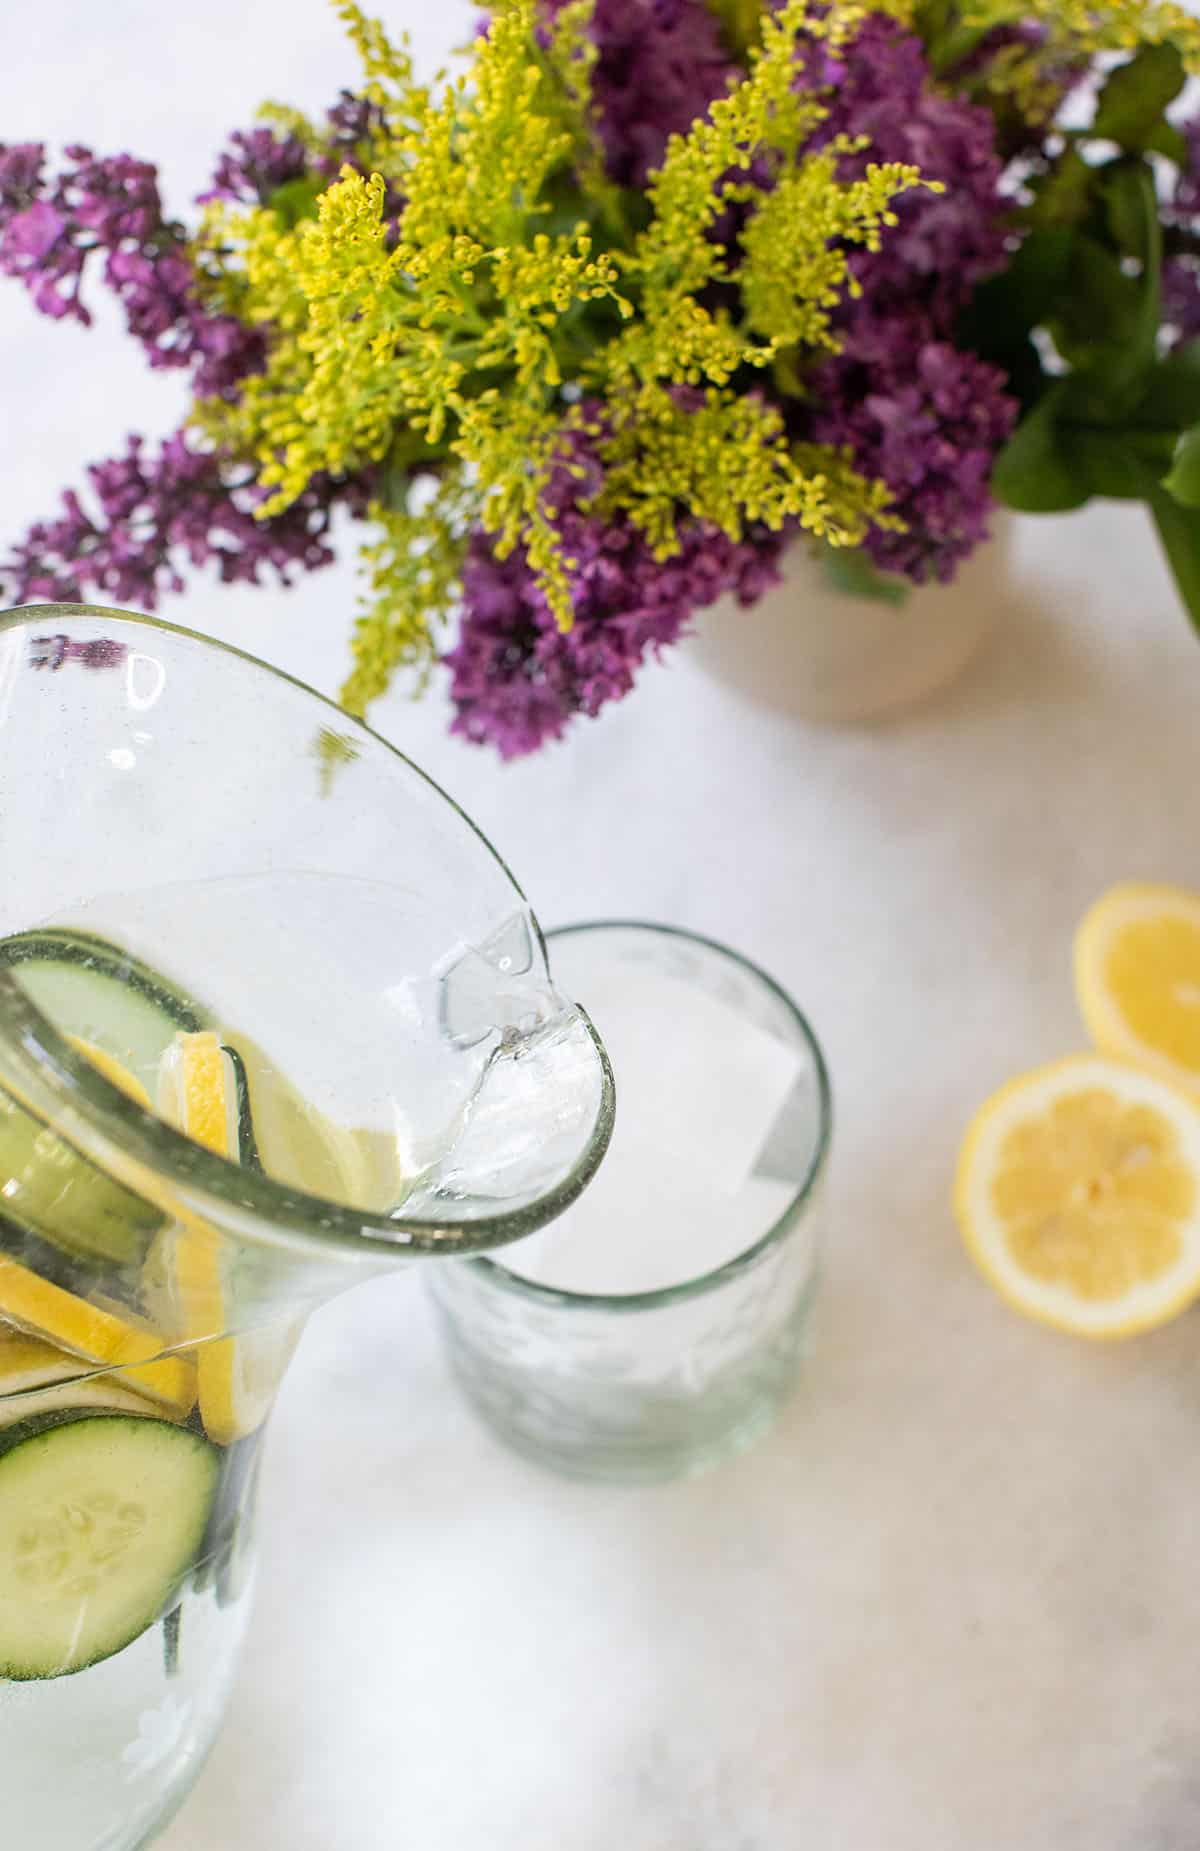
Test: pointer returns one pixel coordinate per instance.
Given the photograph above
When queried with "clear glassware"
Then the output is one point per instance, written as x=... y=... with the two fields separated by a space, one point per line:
x=274 y=1017
x=661 y=1322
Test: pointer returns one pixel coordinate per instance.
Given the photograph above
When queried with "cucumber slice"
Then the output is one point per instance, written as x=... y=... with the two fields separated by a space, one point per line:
x=101 y=1516
x=91 y=990
x=55 y=1192
x=246 y=1145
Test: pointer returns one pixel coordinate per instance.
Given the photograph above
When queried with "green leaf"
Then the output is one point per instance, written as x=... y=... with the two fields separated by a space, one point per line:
x=1038 y=273
x=788 y=374
x=1179 y=531
x=1064 y=195
x=1125 y=207
x=1096 y=313
x=1132 y=200
x=956 y=46
x=850 y=570
x=1036 y=471
x=1084 y=400
x=1107 y=322
x=1169 y=140
x=1026 y=378
x=296 y=200
x=1183 y=478
x=1008 y=306
x=741 y=24
x=1171 y=400
x=1131 y=105
x=1118 y=465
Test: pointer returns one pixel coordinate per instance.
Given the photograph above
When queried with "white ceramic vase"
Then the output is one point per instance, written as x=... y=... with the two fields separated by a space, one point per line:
x=825 y=656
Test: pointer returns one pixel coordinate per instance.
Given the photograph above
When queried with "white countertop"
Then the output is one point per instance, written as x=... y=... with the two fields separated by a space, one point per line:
x=953 y=1600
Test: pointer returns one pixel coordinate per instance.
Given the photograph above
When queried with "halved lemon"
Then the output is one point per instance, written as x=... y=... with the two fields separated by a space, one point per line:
x=1137 y=977
x=237 y=1376
x=1078 y=1195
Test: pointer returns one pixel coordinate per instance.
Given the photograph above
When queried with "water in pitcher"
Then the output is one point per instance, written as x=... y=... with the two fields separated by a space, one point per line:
x=139 y=1351
x=225 y=905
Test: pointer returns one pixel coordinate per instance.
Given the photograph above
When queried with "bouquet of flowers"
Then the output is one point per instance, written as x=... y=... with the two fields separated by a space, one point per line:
x=587 y=333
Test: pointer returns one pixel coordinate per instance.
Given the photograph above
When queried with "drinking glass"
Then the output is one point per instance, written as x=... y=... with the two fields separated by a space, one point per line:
x=660 y=1323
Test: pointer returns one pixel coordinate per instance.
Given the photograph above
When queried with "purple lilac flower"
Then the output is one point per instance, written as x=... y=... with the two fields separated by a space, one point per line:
x=928 y=419
x=111 y=206
x=108 y=210
x=349 y=123
x=945 y=243
x=151 y=515
x=1181 y=220
x=21 y=167
x=910 y=406
x=913 y=409
x=257 y=162
x=1184 y=206
x=1181 y=296
x=254 y=165
x=660 y=64
x=517 y=679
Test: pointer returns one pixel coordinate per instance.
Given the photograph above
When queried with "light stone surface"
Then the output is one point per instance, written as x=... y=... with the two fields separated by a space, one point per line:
x=954 y=1600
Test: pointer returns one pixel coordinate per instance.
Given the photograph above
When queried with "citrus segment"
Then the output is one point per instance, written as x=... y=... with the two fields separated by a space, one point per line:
x=112 y=1069
x=37 y=1378
x=194 y=1090
x=1078 y=1195
x=236 y=1376
x=1137 y=977
x=96 y=1335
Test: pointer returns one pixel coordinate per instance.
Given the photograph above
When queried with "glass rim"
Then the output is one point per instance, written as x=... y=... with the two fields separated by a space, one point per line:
x=494 y=1273
x=274 y=1209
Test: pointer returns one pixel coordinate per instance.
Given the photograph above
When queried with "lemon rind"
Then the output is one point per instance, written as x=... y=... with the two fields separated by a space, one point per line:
x=1054 y=1306
x=1121 y=905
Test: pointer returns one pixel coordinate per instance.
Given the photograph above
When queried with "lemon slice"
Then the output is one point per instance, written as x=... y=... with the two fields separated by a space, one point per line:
x=194 y=1090
x=87 y=1330
x=302 y=1147
x=1137 y=977
x=236 y=1376
x=1078 y=1195
x=112 y=1070
x=95 y=1334
x=36 y=1378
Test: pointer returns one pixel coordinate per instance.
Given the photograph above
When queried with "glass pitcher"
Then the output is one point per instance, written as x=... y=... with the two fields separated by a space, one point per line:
x=273 y=1017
